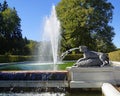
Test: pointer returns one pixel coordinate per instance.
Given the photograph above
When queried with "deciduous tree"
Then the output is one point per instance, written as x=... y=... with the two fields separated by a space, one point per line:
x=86 y=22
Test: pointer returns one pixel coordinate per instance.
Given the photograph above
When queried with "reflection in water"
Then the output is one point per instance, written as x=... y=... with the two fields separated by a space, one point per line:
x=32 y=94
x=85 y=93
x=53 y=94
x=27 y=66
x=47 y=92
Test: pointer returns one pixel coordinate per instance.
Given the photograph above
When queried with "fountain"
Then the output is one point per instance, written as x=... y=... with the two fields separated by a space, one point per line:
x=51 y=39
x=81 y=75
x=33 y=78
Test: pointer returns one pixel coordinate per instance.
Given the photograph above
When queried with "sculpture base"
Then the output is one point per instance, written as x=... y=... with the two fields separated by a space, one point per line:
x=93 y=77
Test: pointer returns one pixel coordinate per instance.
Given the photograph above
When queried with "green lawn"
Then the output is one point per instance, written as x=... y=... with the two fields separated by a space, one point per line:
x=66 y=64
x=115 y=55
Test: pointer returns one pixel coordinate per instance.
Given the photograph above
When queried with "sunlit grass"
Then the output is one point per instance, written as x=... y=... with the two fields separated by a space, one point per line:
x=115 y=55
x=65 y=65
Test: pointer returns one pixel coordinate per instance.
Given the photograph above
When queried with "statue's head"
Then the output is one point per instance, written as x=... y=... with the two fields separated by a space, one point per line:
x=83 y=48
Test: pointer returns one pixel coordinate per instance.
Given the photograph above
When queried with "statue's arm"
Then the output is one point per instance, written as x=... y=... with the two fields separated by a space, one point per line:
x=67 y=52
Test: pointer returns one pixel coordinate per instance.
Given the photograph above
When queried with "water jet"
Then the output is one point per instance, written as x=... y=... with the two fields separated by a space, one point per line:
x=51 y=39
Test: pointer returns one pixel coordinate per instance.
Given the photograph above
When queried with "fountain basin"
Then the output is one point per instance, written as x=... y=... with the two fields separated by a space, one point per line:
x=33 y=79
x=73 y=77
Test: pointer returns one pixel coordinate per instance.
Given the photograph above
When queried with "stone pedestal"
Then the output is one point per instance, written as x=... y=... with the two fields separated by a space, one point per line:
x=93 y=77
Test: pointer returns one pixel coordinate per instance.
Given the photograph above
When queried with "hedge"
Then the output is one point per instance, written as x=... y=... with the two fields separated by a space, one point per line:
x=14 y=58
x=19 y=58
x=113 y=56
x=73 y=57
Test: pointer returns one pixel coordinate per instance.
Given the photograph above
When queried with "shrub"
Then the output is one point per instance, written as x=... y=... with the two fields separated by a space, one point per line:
x=73 y=57
x=14 y=58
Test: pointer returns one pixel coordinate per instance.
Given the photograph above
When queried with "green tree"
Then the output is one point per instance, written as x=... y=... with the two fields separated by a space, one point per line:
x=11 y=40
x=86 y=22
x=10 y=31
x=4 y=6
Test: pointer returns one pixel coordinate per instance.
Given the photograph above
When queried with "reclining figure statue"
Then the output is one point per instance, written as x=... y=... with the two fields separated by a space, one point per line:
x=90 y=58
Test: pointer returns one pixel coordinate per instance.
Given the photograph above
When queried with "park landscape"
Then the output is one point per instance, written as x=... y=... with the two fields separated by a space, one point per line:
x=71 y=24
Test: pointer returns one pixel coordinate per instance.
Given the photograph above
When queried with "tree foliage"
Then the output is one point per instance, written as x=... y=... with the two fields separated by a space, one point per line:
x=86 y=22
x=11 y=40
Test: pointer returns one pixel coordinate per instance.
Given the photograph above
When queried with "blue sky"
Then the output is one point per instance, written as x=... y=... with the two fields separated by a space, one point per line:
x=33 y=12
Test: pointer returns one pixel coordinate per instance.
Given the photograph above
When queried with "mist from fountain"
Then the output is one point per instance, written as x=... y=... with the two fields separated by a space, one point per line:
x=50 y=45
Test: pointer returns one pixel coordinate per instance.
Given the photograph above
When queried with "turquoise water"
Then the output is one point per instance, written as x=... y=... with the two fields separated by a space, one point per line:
x=26 y=66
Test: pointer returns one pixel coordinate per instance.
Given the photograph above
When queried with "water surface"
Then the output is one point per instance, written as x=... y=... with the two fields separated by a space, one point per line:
x=27 y=66
x=53 y=94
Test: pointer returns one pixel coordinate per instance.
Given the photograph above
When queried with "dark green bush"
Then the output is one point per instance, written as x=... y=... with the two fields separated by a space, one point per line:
x=73 y=56
x=14 y=58
x=19 y=58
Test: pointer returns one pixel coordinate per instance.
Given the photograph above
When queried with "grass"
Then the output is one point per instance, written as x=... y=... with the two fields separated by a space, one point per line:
x=65 y=65
x=115 y=55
